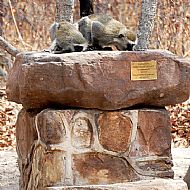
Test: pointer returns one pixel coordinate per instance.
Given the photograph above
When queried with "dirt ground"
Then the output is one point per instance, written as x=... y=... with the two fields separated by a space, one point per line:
x=9 y=173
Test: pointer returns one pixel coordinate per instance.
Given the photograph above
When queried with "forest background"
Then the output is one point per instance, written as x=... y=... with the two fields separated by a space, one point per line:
x=25 y=24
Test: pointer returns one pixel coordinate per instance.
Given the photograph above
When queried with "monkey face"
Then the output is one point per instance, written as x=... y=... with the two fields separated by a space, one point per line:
x=130 y=47
x=123 y=44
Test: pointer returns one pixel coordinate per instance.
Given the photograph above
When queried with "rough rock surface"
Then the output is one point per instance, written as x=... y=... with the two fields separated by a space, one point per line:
x=187 y=177
x=96 y=80
x=156 y=184
x=72 y=147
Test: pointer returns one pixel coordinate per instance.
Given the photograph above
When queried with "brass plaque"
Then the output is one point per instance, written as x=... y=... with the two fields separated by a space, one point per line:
x=144 y=70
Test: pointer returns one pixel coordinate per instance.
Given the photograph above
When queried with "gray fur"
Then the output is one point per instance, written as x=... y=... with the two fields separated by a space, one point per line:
x=102 y=30
x=65 y=37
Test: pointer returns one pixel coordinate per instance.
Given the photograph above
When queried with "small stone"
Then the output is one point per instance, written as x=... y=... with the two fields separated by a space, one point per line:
x=114 y=131
x=97 y=168
x=153 y=136
x=52 y=129
x=81 y=133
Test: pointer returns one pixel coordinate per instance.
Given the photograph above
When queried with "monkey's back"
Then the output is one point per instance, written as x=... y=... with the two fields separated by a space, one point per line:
x=103 y=30
x=68 y=34
x=101 y=18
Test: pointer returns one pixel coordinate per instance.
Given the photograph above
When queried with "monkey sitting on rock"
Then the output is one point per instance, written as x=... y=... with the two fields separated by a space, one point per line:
x=93 y=32
x=66 y=38
x=103 y=31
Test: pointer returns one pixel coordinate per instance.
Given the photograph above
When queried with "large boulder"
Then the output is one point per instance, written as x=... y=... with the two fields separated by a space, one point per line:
x=103 y=80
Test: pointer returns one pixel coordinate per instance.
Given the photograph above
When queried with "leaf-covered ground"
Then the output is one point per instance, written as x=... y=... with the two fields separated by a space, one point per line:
x=179 y=116
x=180 y=124
x=8 y=115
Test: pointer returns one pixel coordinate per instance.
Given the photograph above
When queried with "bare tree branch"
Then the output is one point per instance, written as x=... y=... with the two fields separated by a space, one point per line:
x=8 y=47
x=16 y=26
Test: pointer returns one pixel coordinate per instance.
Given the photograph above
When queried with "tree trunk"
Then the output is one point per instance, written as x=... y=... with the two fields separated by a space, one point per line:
x=86 y=7
x=2 y=72
x=102 y=6
x=1 y=17
x=146 y=23
x=64 y=10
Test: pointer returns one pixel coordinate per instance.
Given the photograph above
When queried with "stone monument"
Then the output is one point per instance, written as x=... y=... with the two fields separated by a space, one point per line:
x=96 y=120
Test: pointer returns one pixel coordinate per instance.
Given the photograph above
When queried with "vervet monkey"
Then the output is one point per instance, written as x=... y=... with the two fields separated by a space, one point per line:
x=102 y=31
x=66 y=38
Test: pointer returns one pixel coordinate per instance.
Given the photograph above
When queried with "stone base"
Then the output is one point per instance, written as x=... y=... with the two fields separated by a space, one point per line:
x=157 y=184
x=91 y=147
